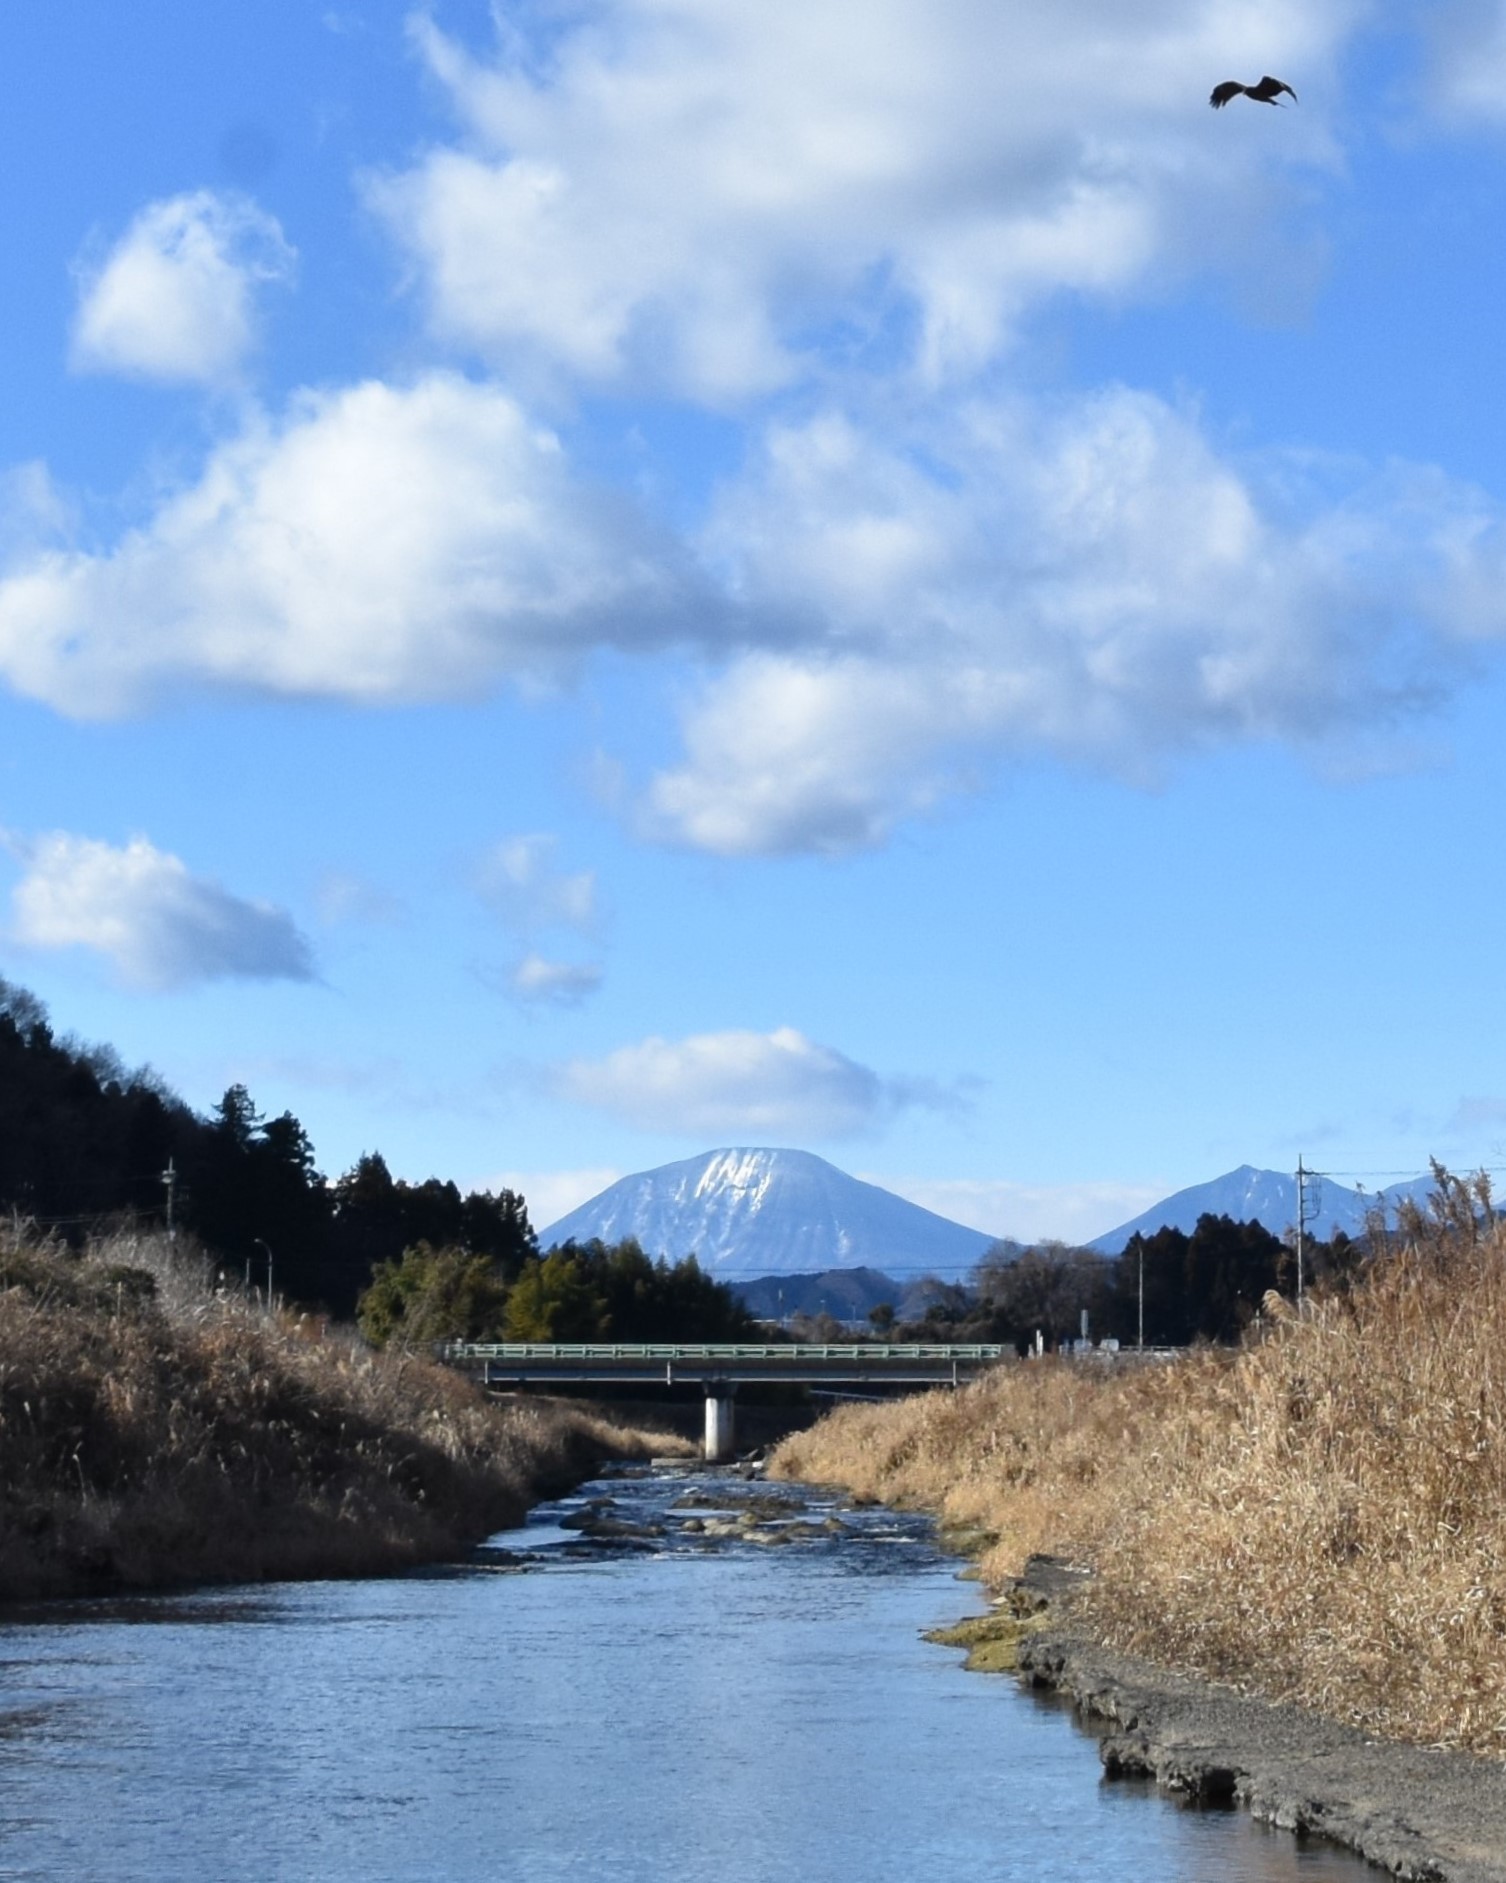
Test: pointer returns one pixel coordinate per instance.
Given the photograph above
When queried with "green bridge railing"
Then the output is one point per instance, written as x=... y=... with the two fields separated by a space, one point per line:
x=866 y=1353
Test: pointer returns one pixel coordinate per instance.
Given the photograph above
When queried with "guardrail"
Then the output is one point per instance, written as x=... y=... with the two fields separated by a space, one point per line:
x=801 y=1352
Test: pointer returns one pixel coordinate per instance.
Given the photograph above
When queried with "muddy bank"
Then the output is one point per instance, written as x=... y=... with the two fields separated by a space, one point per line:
x=1427 y=1815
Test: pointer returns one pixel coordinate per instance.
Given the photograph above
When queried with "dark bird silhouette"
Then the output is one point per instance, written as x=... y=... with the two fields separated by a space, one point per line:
x=1265 y=93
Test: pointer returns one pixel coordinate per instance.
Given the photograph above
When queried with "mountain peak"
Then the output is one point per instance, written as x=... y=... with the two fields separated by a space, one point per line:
x=759 y=1210
x=1268 y=1197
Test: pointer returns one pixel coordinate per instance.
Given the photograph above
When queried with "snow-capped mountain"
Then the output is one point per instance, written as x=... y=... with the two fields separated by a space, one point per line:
x=772 y=1212
x=1264 y=1196
x=746 y=1213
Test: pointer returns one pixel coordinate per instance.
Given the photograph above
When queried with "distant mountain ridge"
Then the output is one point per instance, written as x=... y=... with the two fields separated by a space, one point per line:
x=1268 y=1197
x=846 y=1294
x=757 y=1212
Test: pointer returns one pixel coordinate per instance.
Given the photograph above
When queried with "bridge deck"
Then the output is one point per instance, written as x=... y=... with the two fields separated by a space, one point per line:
x=715 y=1364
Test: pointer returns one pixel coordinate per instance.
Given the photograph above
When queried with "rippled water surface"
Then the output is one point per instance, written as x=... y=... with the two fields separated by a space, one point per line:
x=650 y=1709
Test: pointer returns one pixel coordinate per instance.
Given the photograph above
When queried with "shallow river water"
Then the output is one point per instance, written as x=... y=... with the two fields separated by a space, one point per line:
x=690 y=1708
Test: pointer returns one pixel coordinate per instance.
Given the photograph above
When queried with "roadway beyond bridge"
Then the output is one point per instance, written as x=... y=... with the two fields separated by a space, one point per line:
x=720 y=1369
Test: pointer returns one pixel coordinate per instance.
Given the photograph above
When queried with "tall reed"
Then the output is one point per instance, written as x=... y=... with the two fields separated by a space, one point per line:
x=1320 y=1516
x=156 y=1429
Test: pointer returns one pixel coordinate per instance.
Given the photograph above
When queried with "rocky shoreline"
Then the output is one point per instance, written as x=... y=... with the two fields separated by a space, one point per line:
x=1425 y=1815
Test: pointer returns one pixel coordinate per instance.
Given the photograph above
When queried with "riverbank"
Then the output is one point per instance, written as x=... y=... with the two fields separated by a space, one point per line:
x=159 y=1431
x=1421 y=1813
x=1316 y=1521
x=1319 y=1516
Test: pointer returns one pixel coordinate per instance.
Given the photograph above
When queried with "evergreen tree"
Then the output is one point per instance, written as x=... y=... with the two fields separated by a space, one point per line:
x=1208 y=1285
x=433 y=1295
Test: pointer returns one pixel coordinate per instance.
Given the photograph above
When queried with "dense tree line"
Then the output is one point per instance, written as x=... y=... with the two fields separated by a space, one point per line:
x=86 y=1144
x=1208 y=1285
x=80 y=1136
x=1204 y=1286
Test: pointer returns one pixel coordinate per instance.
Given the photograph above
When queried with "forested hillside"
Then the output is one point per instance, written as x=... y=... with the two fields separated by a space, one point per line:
x=86 y=1144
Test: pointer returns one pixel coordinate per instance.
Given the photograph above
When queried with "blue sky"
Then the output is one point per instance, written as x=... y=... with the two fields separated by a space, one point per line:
x=588 y=580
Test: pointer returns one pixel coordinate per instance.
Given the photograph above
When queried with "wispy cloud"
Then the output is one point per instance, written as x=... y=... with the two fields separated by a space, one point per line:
x=759 y=1086
x=174 y=298
x=1466 y=47
x=550 y=1194
x=344 y=897
x=519 y=878
x=541 y=982
x=1475 y=1116
x=160 y=926
x=1066 y=1212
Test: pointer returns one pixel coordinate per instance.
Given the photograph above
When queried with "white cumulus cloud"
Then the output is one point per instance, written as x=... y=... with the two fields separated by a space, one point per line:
x=175 y=298
x=140 y=907
x=883 y=608
x=377 y=544
x=688 y=190
x=1093 y=582
x=761 y=1086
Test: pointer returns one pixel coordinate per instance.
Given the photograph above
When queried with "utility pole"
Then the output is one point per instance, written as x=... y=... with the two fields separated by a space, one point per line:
x=170 y=1179
x=1140 y=1335
x=1304 y=1177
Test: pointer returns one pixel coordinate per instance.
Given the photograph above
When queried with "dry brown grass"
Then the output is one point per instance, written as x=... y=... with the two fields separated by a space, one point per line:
x=170 y=1434
x=1321 y=1516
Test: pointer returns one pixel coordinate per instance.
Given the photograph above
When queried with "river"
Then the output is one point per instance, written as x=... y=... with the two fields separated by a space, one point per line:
x=690 y=1707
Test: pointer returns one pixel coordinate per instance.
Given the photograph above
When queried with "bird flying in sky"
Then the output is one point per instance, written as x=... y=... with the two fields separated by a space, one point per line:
x=1265 y=93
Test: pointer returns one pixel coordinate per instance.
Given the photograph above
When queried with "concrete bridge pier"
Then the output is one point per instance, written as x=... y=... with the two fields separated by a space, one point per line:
x=720 y=1423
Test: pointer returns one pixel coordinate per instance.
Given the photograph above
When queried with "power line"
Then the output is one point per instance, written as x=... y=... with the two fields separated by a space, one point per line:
x=1493 y=1170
